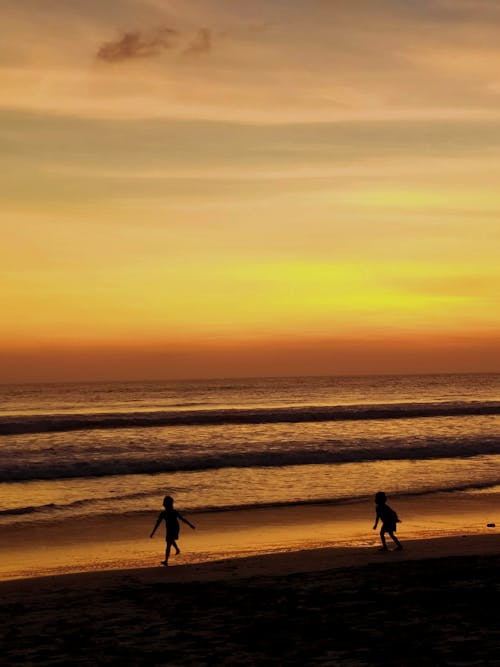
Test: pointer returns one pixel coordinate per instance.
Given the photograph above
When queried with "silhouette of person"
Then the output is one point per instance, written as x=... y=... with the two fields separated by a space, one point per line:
x=389 y=519
x=171 y=518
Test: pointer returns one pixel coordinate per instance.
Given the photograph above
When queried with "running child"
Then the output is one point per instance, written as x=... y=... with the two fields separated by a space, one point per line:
x=171 y=518
x=389 y=519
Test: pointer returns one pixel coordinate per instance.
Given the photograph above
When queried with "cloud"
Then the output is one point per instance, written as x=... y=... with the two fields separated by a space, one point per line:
x=194 y=59
x=137 y=45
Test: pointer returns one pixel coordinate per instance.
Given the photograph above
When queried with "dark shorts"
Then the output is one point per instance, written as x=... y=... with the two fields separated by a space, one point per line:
x=172 y=536
x=388 y=528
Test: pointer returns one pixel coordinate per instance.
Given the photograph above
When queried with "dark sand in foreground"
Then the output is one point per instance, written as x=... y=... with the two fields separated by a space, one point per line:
x=435 y=603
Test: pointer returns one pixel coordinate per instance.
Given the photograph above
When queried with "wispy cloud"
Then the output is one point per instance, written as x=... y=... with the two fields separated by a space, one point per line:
x=150 y=44
x=194 y=59
x=138 y=45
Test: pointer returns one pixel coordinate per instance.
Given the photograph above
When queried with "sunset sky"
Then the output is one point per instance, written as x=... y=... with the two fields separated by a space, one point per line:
x=196 y=188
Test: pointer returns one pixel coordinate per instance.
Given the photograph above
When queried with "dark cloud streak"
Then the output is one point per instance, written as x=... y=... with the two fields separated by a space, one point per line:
x=138 y=45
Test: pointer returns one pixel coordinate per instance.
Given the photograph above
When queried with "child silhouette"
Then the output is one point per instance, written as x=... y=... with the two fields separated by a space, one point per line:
x=171 y=517
x=389 y=520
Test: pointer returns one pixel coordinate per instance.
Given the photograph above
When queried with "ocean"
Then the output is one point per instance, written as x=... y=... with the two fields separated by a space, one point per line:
x=70 y=451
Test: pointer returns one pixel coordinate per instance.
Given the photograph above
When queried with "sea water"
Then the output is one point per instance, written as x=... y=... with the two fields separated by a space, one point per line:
x=71 y=451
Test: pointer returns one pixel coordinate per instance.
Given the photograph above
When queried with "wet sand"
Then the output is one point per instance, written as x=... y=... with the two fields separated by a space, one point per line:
x=432 y=604
x=122 y=542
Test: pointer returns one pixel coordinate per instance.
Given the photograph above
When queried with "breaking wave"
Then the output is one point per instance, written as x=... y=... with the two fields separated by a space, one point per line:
x=15 y=470
x=14 y=425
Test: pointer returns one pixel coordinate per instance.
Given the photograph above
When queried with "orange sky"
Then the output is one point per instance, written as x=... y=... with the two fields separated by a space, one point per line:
x=219 y=188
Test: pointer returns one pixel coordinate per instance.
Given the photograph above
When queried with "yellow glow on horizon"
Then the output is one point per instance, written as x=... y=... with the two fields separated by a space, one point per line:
x=265 y=299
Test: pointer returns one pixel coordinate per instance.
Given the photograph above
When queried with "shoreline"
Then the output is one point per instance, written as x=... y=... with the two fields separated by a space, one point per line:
x=284 y=563
x=122 y=543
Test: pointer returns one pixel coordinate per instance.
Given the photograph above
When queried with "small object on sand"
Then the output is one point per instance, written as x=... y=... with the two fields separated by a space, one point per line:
x=491 y=525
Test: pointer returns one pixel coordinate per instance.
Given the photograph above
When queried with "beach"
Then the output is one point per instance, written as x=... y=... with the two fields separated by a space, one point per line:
x=283 y=566
x=432 y=604
x=302 y=585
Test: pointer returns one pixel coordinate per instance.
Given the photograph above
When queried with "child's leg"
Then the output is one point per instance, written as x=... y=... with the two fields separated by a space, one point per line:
x=382 y=537
x=177 y=550
x=167 y=553
x=396 y=541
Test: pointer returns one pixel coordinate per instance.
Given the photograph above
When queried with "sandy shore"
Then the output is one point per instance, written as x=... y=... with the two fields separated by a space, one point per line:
x=435 y=603
x=122 y=542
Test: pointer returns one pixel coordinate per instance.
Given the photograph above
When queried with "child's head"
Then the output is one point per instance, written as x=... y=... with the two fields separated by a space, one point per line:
x=380 y=498
x=168 y=501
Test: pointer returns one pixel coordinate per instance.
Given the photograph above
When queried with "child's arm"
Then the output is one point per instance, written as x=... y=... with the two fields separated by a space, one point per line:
x=376 y=520
x=158 y=521
x=185 y=520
